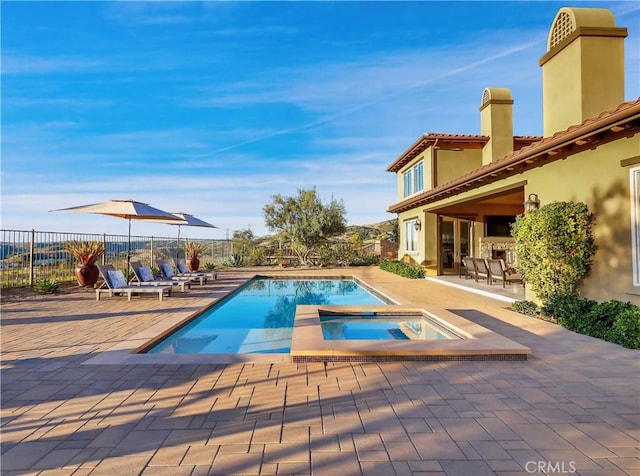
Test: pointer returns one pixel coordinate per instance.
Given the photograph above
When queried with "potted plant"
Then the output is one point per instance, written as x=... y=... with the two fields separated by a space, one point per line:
x=87 y=253
x=192 y=250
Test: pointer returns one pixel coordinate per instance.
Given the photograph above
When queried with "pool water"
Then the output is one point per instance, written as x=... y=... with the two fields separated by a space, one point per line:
x=381 y=328
x=258 y=318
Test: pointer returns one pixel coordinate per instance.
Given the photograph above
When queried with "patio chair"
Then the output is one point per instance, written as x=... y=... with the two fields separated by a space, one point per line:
x=482 y=271
x=116 y=283
x=467 y=268
x=142 y=275
x=167 y=272
x=500 y=272
x=184 y=271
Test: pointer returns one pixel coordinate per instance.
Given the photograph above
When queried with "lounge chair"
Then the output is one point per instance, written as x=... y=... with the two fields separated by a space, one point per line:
x=142 y=275
x=184 y=271
x=500 y=272
x=167 y=272
x=467 y=268
x=116 y=283
x=482 y=271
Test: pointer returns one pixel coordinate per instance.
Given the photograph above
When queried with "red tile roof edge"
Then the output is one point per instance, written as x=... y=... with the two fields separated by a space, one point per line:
x=625 y=112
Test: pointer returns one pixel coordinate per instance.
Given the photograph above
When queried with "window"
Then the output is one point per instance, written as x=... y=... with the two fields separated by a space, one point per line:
x=410 y=235
x=418 y=178
x=408 y=182
x=635 y=222
x=413 y=180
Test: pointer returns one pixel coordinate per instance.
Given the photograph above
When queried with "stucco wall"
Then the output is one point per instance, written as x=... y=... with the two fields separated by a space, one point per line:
x=426 y=254
x=597 y=179
x=452 y=164
x=425 y=157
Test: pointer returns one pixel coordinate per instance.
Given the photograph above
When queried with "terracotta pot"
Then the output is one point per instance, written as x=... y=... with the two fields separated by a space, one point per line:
x=87 y=275
x=193 y=264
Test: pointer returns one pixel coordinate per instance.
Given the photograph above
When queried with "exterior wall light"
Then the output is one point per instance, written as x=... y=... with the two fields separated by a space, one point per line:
x=532 y=203
x=418 y=224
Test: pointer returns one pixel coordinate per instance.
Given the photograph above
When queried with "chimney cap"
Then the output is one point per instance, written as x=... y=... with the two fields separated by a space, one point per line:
x=495 y=96
x=569 y=20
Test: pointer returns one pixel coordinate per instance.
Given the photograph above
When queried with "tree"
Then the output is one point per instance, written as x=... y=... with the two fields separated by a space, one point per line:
x=243 y=241
x=555 y=246
x=305 y=221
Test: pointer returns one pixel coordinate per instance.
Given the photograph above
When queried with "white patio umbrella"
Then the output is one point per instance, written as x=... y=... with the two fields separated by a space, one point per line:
x=128 y=209
x=186 y=220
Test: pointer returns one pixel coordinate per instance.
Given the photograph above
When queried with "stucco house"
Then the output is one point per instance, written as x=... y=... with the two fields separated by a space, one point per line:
x=458 y=194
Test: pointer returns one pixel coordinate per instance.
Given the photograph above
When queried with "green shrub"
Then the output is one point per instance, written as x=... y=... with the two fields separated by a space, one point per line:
x=209 y=266
x=337 y=253
x=614 y=321
x=156 y=272
x=128 y=274
x=46 y=286
x=365 y=259
x=235 y=260
x=626 y=329
x=257 y=256
x=345 y=253
x=528 y=308
x=555 y=245
x=601 y=318
x=402 y=269
x=570 y=311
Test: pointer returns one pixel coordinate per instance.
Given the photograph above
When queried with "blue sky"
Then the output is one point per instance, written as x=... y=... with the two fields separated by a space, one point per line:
x=211 y=108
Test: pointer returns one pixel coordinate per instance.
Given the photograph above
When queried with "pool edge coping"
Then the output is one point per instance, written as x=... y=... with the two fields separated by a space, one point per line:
x=130 y=350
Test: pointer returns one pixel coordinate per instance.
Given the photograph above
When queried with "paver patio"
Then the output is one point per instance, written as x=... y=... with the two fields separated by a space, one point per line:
x=572 y=407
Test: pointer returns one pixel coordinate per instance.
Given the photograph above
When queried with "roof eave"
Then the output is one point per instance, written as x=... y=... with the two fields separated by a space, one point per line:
x=426 y=140
x=623 y=122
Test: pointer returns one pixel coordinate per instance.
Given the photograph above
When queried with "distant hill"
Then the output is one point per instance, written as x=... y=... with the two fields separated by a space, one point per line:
x=387 y=229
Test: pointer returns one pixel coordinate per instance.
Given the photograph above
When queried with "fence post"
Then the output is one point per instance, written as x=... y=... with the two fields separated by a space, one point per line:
x=104 y=255
x=32 y=246
x=152 y=243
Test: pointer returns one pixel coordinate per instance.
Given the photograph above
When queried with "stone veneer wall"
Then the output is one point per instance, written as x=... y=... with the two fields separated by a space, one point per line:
x=489 y=245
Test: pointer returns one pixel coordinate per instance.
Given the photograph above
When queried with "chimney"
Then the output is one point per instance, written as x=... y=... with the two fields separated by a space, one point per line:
x=496 y=122
x=583 y=69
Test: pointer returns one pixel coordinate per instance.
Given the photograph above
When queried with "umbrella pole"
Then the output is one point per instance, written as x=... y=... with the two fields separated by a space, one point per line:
x=178 y=247
x=129 y=250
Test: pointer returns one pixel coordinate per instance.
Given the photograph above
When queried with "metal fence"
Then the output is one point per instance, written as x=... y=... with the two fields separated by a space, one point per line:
x=29 y=256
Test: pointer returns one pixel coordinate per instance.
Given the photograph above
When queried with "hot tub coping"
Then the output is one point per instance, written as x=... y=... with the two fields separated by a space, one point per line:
x=477 y=342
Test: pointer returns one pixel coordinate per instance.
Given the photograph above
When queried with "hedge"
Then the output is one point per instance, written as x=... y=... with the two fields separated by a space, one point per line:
x=613 y=321
x=402 y=269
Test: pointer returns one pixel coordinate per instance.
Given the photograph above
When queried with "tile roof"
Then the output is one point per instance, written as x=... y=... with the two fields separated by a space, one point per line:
x=453 y=140
x=608 y=126
x=431 y=138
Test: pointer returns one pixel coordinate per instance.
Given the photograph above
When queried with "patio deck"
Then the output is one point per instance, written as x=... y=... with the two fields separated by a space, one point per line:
x=573 y=406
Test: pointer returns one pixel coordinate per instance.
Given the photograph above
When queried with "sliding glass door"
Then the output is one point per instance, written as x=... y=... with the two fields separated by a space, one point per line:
x=456 y=242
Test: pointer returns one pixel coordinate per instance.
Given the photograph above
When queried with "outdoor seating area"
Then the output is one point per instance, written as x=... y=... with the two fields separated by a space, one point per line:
x=573 y=402
x=489 y=270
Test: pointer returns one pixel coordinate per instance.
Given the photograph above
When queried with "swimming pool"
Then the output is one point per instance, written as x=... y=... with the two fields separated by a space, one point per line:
x=259 y=317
